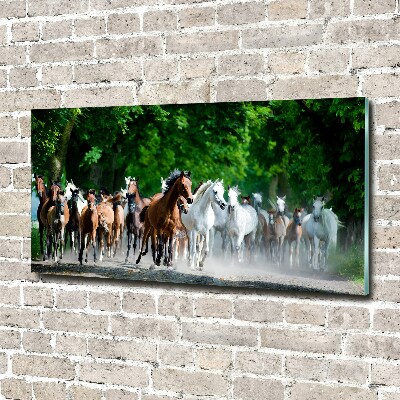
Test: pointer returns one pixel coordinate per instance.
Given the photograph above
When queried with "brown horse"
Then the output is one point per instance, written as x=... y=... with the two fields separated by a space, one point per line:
x=50 y=201
x=293 y=234
x=88 y=224
x=105 y=226
x=57 y=219
x=275 y=235
x=162 y=216
x=136 y=204
x=42 y=193
x=118 y=223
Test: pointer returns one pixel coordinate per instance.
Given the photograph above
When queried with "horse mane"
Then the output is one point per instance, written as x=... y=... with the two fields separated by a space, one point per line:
x=201 y=190
x=197 y=187
x=173 y=177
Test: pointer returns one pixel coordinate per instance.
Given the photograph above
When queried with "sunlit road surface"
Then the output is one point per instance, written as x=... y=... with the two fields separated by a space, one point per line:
x=217 y=271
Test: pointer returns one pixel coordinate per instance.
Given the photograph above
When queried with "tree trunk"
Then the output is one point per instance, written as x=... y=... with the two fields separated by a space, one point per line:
x=57 y=162
x=273 y=188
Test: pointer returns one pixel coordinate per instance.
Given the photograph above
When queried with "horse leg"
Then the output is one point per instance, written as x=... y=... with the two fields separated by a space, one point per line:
x=61 y=243
x=324 y=252
x=94 y=245
x=316 y=252
x=170 y=250
x=290 y=254
x=116 y=239
x=145 y=236
x=192 y=248
x=82 y=245
x=121 y=232
x=199 y=252
x=129 y=244
x=176 y=245
x=87 y=247
x=101 y=244
x=49 y=241
x=109 y=242
x=54 y=244
x=207 y=249
x=210 y=242
x=160 y=249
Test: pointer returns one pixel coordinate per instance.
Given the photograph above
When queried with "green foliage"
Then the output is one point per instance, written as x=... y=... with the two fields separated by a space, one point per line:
x=350 y=264
x=311 y=147
x=35 y=242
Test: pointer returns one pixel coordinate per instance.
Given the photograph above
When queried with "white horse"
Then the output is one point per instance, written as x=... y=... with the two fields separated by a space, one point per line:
x=242 y=224
x=280 y=209
x=320 y=226
x=199 y=220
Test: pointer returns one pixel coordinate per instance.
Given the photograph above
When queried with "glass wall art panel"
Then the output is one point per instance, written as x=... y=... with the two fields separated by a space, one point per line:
x=267 y=195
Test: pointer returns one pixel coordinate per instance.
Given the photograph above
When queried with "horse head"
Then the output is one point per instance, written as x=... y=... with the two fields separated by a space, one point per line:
x=183 y=204
x=218 y=191
x=91 y=200
x=318 y=206
x=245 y=199
x=257 y=201
x=280 y=204
x=54 y=189
x=132 y=186
x=233 y=193
x=60 y=203
x=40 y=186
x=297 y=216
x=185 y=186
x=131 y=202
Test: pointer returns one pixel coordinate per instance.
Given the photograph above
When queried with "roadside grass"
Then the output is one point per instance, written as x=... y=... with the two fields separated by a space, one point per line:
x=350 y=264
x=35 y=243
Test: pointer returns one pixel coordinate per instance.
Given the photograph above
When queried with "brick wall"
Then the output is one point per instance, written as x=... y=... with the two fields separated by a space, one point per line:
x=93 y=339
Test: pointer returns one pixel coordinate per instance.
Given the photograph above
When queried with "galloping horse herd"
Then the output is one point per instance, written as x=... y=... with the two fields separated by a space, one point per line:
x=181 y=224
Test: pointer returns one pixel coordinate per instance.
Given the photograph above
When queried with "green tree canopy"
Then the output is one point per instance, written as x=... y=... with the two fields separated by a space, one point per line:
x=299 y=148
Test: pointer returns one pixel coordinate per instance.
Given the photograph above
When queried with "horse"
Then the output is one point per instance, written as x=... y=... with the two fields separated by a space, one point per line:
x=106 y=217
x=119 y=222
x=42 y=192
x=241 y=224
x=261 y=242
x=320 y=226
x=50 y=201
x=162 y=216
x=88 y=224
x=200 y=219
x=80 y=201
x=57 y=218
x=73 y=223
x=293 y=234
x=136 y=203
x=281 y=208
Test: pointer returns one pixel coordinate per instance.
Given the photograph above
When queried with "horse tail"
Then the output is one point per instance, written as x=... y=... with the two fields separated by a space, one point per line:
x=142 y=214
